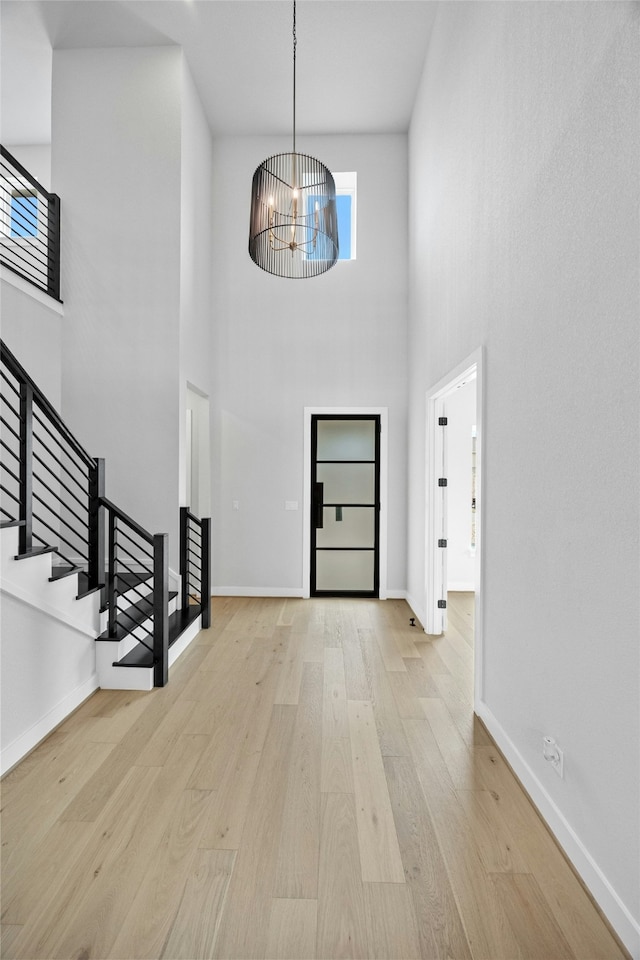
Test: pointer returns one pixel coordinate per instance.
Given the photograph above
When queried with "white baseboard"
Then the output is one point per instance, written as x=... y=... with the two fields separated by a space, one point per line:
x=620 y=918
x=396 y=594
x=22 y=745
x=256 y=591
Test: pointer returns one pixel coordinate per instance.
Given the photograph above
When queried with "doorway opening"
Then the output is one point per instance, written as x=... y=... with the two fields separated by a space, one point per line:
x=453 y=544
x=345 y=517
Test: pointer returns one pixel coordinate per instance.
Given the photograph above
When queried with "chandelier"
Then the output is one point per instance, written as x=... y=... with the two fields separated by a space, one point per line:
x=293 y=228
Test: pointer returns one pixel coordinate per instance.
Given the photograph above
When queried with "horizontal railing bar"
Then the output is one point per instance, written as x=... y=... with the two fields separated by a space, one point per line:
x=13 y=475
x=139 y=546
x=136 y=573
x=25 y=223
x=134 y=589
x=17 y=166
x=23 y=377
x=57 y=552
x=138 y=606
x=196 y=543
x=21 y=210
x=33 y=245
x=59 y=479
x=190 y=516
x=9 y=493
x=67 y=526
x=24 y=217
x=56 y=438
x=37 y=266
x=123 y=516
x=29 y=279
x=123 y=614
x=6 y=513
x=9 y=427
x=57 y=533
x=15 y=455
x=14 y=387
x=56 y=496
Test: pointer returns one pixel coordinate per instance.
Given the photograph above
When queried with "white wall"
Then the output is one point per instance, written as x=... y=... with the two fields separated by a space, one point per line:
x=461 y=414
x=35 y=158
x=116 y=161
x=334 y=340
x=30 y=325
x=524 y=239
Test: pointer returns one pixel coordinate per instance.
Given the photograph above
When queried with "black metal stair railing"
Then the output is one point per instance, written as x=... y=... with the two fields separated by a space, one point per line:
x=138 y=588
x=49 y=484
x=195 y=536
x=29 y=226
x=54 y=492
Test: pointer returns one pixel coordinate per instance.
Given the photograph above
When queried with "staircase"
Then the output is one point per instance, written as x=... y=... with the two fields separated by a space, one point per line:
x=71 y=552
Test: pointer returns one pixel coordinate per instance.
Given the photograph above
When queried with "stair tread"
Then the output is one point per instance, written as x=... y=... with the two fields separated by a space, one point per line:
x=180 y=620
x=127 y=620
x=34 y=552
x=178 y=623
x=59 y=572
x=5 y=524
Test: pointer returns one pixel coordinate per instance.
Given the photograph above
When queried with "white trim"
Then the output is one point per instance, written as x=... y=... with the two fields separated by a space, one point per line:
x=20 y=284
x=257 y=592
x=396 y=594
x=460 y=586
x=27 y=741
x=472 y=367
x=417 y=608
x=618 y=915
x=184 y=640
x=383 y=413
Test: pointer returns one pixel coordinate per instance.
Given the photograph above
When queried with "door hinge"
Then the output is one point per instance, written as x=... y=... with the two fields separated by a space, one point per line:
x=442 y=543
x=442 y=421
x=442 y=481
x=442 y=604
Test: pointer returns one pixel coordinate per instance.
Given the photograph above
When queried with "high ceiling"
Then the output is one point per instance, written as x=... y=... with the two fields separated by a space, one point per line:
x=358 y=61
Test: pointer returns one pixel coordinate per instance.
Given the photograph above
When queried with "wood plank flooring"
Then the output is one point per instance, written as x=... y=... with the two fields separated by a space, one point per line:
x=312 y=784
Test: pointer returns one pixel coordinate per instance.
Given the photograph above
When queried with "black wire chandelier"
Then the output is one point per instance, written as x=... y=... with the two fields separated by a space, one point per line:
x=293 y=229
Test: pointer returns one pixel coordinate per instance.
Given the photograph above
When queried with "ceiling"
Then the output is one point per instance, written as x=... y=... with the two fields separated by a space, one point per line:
x=358 y=61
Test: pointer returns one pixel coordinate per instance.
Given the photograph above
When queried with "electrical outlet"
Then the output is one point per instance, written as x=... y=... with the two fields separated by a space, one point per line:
x=553 y=755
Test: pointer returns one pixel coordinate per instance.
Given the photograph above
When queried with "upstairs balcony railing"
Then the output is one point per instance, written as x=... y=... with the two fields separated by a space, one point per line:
x=29 y=227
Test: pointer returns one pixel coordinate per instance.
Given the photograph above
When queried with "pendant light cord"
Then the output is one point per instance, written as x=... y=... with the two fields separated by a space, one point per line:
x=295 y=42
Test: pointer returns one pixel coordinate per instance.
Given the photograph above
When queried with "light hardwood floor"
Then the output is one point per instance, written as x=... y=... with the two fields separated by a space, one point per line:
x=312 y=783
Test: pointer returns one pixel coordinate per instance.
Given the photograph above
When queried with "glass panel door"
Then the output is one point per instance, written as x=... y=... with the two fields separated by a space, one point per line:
x=345 y=476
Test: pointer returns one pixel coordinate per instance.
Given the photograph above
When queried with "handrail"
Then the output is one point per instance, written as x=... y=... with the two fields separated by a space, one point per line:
x=28 y=233
x=123 y=516
x=47 y=408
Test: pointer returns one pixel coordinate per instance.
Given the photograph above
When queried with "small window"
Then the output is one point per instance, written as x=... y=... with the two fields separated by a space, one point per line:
x=346 y=207
x=24 y=214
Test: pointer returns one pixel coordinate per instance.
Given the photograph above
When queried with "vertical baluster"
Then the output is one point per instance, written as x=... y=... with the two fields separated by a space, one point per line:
x=111 y=577
x=96 y=525
x=160 y=610
x=25 y=535
x=205 y=572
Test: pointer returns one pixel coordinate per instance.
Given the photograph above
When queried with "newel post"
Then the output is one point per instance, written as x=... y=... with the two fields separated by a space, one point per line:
x=160 y=609
x=205 y=573
x=96 y=526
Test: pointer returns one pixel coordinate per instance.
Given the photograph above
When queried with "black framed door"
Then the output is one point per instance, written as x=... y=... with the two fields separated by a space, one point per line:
x=345 y=505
